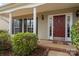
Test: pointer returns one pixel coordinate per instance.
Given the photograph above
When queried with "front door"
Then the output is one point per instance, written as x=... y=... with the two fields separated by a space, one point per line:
x=59 y=26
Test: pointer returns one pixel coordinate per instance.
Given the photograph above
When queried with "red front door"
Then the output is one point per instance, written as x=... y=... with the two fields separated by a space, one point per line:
x=59 y=26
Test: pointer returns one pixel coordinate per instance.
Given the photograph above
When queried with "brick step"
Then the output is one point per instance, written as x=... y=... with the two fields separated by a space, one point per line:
x=62 y=42
x=58 y=47
x=55 y=49
x=71 y=52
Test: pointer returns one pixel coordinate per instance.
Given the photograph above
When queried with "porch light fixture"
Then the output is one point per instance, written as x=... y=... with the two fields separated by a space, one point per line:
x=77 y=13
x=37 y=18
x=42 y=16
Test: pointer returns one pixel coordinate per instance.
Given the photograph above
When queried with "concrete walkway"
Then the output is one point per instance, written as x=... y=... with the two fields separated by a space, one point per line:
x=57 y=53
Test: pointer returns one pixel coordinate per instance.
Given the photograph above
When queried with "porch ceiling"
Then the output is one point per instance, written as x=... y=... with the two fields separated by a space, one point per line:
x=45 y=7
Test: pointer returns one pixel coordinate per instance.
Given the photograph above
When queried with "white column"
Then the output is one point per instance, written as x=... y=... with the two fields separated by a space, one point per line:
x=10 y=23
x=34 y=20
x=22 y=25
x=66 y=28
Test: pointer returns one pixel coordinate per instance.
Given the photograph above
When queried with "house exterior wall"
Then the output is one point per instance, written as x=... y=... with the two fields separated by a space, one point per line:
x=42 y=24
x=4 y=23
x=43 y=27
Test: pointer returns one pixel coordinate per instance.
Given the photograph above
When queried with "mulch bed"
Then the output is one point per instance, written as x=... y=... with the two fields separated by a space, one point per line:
x=6 y=53
x=40 y=51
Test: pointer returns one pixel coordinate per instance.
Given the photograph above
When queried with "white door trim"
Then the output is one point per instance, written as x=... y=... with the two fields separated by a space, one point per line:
x=50 y=17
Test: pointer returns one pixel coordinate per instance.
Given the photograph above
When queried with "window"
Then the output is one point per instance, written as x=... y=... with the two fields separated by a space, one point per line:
x=17 y=26
x=20 y=25
x=25 y=25
x=28 y=25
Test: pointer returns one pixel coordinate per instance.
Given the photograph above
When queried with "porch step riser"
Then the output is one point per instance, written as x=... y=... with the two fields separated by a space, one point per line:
x=62 y=42
x=60 y=50
x=56 y=46
x=56 y=49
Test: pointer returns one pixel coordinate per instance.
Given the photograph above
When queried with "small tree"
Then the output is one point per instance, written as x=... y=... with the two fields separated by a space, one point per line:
x=75 y=34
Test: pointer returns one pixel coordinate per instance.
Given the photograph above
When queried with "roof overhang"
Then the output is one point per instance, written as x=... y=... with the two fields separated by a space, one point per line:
x=56 y=6
x=45 y=8
x=17 y=6
x=19 y=9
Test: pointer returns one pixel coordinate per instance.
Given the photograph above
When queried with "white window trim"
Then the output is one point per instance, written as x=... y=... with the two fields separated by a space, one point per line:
x=71 y=21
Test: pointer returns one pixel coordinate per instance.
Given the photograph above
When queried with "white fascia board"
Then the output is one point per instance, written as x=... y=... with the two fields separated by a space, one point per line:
x=3 y=4
x=21 y=7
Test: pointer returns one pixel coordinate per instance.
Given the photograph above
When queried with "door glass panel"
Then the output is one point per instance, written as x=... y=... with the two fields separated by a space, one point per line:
x=68 y=26
x=50 y=29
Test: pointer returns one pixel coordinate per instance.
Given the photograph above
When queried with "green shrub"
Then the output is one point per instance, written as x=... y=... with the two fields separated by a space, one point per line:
x=3 y=31
x=24 y=43
x=75 y=35
x=4 y=40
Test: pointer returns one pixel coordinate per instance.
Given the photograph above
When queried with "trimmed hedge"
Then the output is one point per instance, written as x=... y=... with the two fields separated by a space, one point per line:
x=4 y=40
x=24 y=43
x=75 y=35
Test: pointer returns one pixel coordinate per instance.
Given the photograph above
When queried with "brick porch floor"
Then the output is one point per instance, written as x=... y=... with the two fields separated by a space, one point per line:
x=57 y=47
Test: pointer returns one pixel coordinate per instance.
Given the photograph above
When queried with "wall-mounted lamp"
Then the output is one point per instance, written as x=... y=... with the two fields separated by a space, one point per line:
x=77 y=13
x=42 y=16
x=37 y=18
